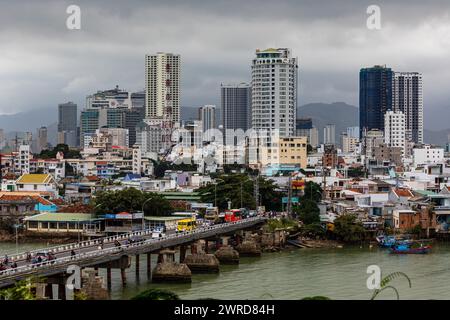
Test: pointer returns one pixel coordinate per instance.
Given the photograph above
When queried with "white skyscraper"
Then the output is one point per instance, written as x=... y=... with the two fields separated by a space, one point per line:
x=207 y=114
x=162 y=86
x=408 y=98
x=274 y=91
x=329 y=134
x=394 y=129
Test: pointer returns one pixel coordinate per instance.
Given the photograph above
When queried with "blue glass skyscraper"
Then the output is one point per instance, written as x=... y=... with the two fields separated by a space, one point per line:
x=375 y=97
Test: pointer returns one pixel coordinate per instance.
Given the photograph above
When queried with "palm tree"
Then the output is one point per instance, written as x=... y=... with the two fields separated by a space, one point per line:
x=386 y=280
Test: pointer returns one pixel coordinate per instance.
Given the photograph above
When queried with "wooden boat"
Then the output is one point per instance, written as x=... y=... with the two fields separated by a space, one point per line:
x=406 y=248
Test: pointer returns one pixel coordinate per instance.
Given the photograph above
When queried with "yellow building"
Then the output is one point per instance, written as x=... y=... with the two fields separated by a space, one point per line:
x=293 y=150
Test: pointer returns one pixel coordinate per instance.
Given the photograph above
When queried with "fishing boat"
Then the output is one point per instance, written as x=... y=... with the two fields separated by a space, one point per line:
x=390 y=241
x=386 y=241
x=411 y=248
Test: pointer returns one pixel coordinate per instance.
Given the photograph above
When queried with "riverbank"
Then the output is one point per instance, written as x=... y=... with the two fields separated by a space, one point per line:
x=33 y=238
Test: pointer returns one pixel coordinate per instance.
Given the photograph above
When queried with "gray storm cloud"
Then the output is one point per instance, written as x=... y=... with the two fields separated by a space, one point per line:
x=39 y=56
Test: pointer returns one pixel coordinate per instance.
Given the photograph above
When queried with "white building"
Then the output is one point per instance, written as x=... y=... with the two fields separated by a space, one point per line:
x=394 y=130
x=23 y=160
x=408 y=98
x=117 y=136
x=329 y=134
x=427 y=155
x=162 y=85
x=349 y=143
x=314 y=137
x=274 y=91
x=207 y=115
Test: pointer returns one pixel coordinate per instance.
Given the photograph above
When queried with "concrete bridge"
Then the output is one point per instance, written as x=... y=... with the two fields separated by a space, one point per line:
x=92 y=253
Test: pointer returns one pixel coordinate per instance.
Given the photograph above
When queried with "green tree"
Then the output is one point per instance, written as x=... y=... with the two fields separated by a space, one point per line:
x=229 y=189
x=348 y=229
x=131 y=199
x=313 y=230
x=22 y=290
x=313 y=191
x=308 y=211
x=156 y=294
x=160 y=167
x=64 y=148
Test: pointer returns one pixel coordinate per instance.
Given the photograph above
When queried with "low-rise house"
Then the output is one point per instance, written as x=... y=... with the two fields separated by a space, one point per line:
x=37 y=182
x=405 y=220
x=123 y=222
x=400 y=195
x=62 y=223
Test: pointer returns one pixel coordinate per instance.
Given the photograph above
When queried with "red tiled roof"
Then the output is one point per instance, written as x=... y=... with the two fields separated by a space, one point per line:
x=92 y=178
x=403 y=192
x=15 y=197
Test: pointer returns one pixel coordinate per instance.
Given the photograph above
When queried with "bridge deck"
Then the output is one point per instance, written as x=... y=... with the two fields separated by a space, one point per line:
x=90 y=254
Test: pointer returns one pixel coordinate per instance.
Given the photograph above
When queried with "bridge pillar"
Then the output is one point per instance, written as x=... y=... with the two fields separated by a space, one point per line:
x=137 y=265
x=238 y=239
x=182 y=253
x=123 y=275
x=149 y=265
x=108 y=278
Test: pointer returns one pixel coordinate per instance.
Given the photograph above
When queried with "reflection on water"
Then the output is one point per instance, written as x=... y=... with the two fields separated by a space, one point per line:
x=297 y=273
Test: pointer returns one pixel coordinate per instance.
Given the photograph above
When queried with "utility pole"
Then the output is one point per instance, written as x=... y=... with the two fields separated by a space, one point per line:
x=289 y=204
x=256 y=191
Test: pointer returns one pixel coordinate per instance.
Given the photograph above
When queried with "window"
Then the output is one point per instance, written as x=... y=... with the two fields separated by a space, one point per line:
x=32 y=224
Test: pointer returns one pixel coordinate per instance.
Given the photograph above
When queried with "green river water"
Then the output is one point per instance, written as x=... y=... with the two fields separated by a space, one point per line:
x=297 y=273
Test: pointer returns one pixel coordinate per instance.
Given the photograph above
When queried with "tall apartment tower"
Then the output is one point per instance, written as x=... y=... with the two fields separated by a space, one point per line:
x=236 y=106
x=329 y=134
x=42 y=139
x=375 y=97
x=274 y=91
x=394 y=129
x=207 y=115
x=162 y=86
x=67 y=124
x=408 y=99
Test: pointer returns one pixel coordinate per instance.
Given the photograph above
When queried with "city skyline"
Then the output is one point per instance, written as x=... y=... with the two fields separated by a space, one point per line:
x=73 y=63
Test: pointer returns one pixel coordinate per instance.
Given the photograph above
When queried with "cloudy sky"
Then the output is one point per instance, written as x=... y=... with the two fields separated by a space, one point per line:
x=42 y=63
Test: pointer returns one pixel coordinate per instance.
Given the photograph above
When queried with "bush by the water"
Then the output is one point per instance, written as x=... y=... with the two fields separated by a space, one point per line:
x=282 y=223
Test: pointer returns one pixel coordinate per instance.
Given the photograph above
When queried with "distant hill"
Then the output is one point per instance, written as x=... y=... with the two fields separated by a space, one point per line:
x=338 y=113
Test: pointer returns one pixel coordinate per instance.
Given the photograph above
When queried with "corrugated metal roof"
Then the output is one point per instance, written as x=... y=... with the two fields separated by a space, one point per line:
x=61 y=217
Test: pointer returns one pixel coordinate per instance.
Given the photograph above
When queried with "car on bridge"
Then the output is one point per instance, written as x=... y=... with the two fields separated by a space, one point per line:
x=40 y=257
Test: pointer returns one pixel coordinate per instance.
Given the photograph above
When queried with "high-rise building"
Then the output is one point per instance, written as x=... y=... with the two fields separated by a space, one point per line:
x=329 y=134
x=274 y=91
x=236 y=107
x=67 y=117
x=394 y=130
x=314 y=137
x=375 y=97
x=67 y=124
x=114 y=108
x=353 y=132
x=303 y=127
x=162 y=86
x=41 y=139
x=370 y=140
x=408 y=98
x=207 y=114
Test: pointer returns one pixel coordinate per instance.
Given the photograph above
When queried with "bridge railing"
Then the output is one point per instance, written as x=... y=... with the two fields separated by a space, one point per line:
x=106 y=251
